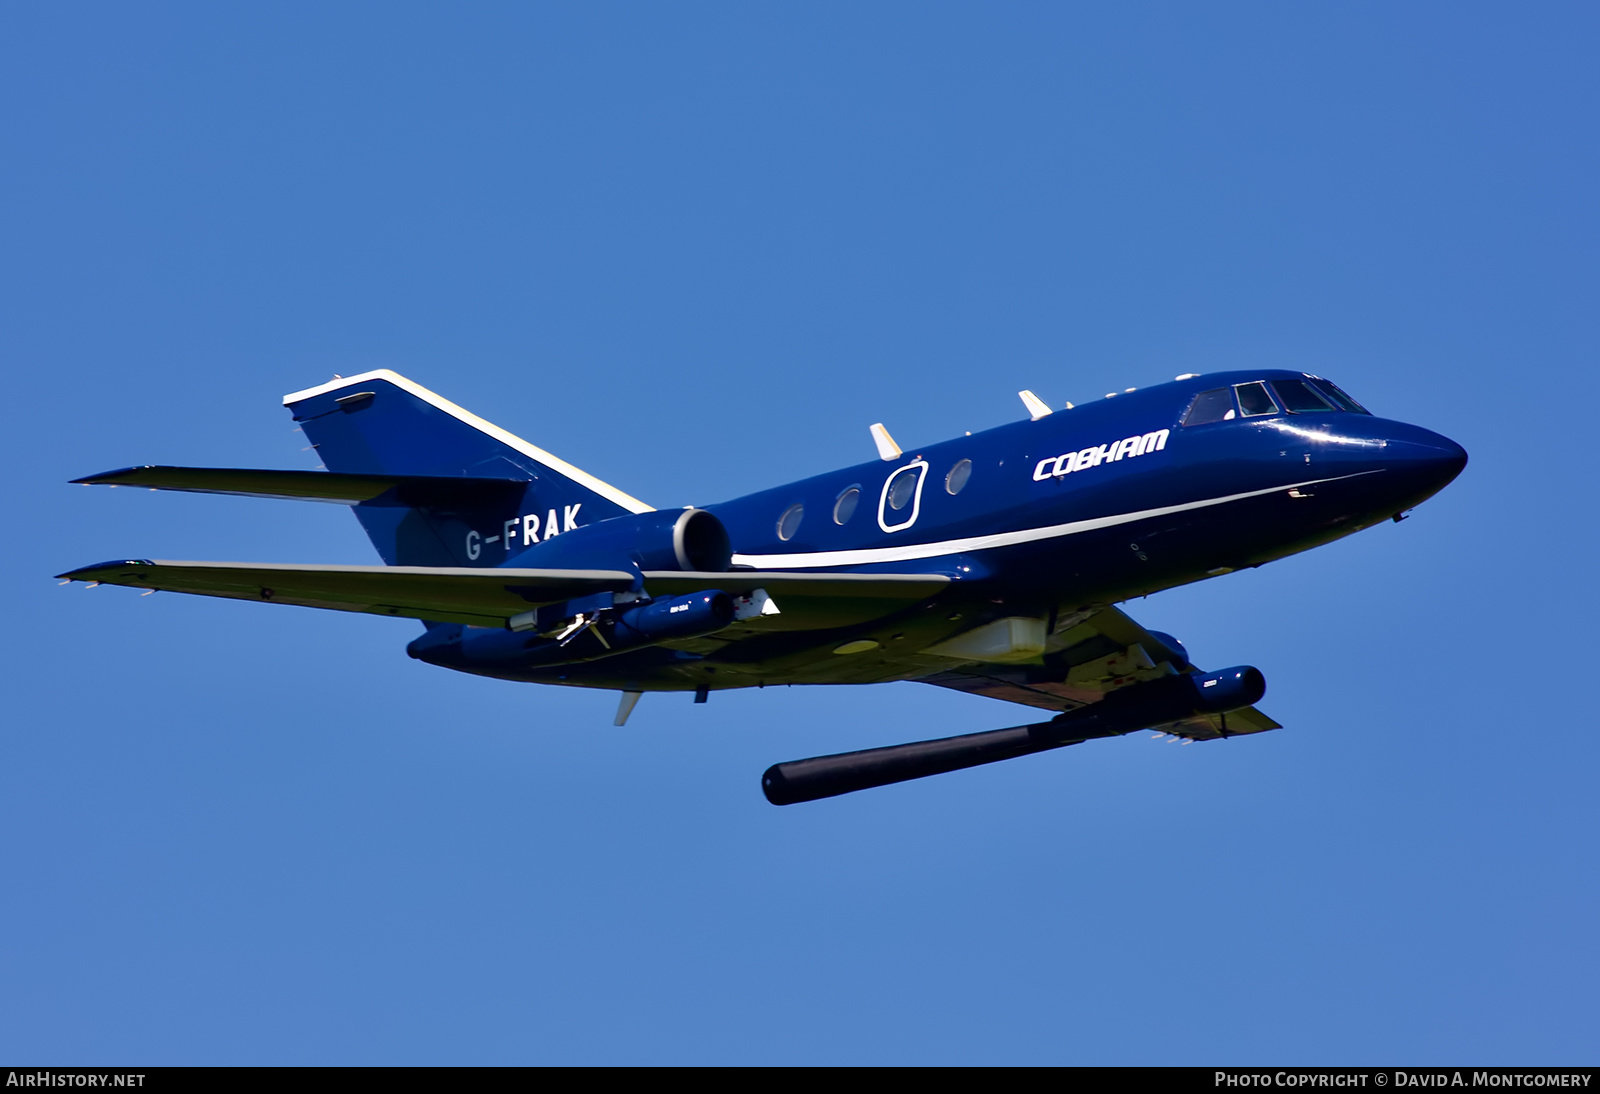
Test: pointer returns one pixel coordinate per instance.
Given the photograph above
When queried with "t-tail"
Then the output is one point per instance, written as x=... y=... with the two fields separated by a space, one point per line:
x=432 y=484
x=382 y=423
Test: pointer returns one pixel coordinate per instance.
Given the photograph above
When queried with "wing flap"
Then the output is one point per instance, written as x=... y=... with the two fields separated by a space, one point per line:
x=477 y=597
x=812 y=584
x=805 y=601
x=1209 y=727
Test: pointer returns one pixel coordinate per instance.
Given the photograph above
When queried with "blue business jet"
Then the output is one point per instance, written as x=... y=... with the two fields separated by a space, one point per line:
x=991 y=564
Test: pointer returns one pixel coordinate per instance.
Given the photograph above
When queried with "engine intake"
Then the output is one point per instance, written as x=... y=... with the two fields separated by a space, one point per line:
x=675 y=539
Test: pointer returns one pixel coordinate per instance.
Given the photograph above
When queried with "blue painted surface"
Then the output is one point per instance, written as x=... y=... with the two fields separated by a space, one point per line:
x=396 y=433
x=1196 y=463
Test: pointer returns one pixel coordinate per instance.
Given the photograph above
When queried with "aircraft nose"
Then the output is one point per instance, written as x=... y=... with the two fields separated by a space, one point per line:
x=1421 y=462
x=1432 y=455
x=1452 y=460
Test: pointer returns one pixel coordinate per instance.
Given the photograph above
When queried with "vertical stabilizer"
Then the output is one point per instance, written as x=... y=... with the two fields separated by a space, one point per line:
x=382 y=423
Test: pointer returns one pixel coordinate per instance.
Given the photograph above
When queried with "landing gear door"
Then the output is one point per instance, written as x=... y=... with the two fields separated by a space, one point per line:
x=901 y=501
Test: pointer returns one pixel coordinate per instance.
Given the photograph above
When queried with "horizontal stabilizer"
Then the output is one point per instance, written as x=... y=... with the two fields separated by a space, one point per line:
x=331 y=486
x=477 y=597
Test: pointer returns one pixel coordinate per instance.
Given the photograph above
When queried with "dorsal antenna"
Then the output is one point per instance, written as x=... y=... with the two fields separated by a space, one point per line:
x=887 y=449
x=1037 y=407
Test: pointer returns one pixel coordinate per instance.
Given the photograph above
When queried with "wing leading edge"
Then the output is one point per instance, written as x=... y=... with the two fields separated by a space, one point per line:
x=476 y=597
x=488 y=596
x=330 y=486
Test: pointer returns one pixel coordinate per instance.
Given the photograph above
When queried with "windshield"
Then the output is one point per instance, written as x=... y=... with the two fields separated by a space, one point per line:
x=1299 y=397
x=1337 y=394
x=1254 y=400
x=1312 y=395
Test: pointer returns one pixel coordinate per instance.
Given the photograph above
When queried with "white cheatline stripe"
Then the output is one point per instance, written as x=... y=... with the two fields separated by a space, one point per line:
x=999 y=539
x=511 y=440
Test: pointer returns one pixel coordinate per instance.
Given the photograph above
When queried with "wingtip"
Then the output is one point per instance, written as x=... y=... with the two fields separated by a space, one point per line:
x=82 y=572
x=107 y=478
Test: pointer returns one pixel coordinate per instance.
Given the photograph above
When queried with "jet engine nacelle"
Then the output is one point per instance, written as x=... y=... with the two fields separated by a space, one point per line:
x=673 y=539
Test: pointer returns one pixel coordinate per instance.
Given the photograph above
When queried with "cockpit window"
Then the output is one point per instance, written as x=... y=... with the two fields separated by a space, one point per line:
x=1254 y=400
x=1299 y=397
x=1337 y=394
x=1215 y=405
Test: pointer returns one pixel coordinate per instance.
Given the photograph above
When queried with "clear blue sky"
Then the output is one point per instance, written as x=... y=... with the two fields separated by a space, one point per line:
x=697 y=249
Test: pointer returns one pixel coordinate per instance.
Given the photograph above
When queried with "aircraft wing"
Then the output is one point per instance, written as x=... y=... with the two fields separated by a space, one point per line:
x=489 y=596
x=1091 y=654
x=483 y=597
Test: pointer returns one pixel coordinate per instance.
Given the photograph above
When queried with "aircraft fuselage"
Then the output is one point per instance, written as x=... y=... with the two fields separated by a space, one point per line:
x=1084 y=507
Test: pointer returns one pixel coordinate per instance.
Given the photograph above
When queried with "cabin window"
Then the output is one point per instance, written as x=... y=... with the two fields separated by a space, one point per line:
x=1215 y=405
x=845 y=507
x=789 y=523
x=1340 y=397
x=903 y=488
x=959 y=474
x=1254 y=400
x=1299 y=397
x=902 y=493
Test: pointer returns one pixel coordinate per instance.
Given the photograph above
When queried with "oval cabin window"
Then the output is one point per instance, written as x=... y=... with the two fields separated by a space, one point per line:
x=845 y=507
x=789 y=523
x=959 y=474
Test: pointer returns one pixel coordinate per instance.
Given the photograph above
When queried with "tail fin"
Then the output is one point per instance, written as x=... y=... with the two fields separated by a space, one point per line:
x=380 y=423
